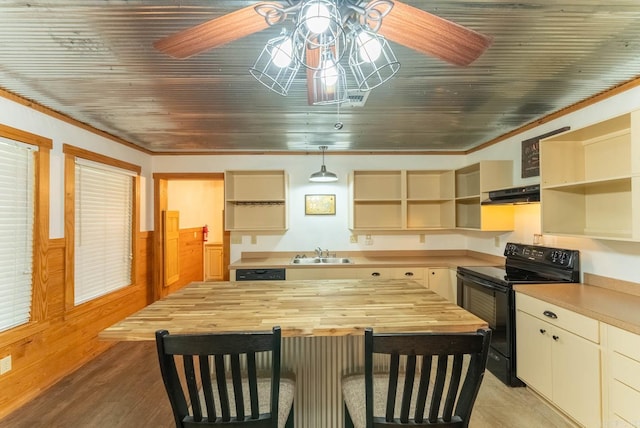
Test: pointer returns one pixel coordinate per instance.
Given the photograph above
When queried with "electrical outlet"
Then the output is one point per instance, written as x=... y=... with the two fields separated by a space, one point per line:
x=422 y=238
x=368 y=240
x=236 y=238
x=254 y=239
x=5 y=364
x=354 y=239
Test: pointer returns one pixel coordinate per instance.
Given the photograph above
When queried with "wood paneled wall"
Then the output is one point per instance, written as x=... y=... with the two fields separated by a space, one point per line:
x=191 y=249
x=66 y=340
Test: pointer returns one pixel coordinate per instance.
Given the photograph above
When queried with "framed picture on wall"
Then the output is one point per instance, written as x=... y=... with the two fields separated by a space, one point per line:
x=320 y=204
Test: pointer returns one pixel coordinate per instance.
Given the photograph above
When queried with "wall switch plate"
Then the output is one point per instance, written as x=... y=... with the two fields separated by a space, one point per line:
x=254 y=239
x=5 y=364
x=422 y=238
x=353 y=239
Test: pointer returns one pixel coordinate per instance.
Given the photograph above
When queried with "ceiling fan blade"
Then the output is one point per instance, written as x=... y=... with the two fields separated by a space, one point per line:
x=212 y=34
x=432 y=35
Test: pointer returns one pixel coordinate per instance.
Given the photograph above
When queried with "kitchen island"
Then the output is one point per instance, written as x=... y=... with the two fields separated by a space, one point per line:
x=322 y=324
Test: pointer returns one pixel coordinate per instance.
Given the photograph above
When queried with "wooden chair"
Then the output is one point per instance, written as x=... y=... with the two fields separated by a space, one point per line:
x=242 y=396
x=399 y=397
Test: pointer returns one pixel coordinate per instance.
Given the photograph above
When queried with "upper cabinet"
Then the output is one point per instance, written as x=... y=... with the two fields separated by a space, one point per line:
x=472 y=185
x=590 y=180
x=401 y=200
x=255 y=200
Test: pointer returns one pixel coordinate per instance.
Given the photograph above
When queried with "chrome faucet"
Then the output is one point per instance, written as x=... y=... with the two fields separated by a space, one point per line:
x=318 y=252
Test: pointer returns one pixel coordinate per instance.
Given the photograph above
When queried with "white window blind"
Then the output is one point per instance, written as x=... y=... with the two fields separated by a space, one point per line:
x=103 y=229
x=17 y=179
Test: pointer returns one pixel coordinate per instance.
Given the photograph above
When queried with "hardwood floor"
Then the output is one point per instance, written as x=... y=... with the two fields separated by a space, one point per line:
x=122 y=388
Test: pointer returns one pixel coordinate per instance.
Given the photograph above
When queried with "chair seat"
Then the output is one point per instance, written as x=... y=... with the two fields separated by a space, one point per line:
x=354 y=397
x=287 y=392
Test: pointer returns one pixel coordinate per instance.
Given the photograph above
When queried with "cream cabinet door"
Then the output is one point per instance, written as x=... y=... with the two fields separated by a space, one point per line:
x=576 y=376
x=439 y=281
x=533 y=351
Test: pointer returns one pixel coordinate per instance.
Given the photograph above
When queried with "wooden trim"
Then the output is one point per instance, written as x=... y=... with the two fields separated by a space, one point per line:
x=64 y=118
x=41 y=236
x=607 y=93
x=25 y=137
x=188 y=176
x=95 y=304
x=86 y=154
x=69 y=230
x=160 y=186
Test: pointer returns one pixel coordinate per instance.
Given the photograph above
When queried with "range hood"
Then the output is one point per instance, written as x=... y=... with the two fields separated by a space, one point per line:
x=515 y=195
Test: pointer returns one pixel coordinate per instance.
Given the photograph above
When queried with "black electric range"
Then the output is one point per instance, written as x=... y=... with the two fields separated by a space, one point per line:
x=487 y=292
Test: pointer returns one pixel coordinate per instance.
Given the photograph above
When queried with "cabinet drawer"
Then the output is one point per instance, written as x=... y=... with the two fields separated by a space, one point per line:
x=624 y=342
x=564 y=318
x=625 y=370
x=623 y=402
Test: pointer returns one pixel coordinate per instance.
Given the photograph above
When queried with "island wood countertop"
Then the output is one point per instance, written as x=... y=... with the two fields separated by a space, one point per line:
x=301 y=308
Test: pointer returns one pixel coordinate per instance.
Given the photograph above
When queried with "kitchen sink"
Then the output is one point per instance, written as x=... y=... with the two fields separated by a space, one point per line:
x=321 y=261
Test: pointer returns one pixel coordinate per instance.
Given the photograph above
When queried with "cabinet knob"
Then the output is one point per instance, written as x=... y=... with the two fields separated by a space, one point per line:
x=408 y=274
x=550 y=314
x=555 y=337
x=375 y=274
x=543 y=331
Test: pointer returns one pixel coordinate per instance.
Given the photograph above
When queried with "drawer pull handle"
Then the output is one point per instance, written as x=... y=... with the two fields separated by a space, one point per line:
x=375 y=274
x=408 y=274
x=550 y=314
x=555 y=337
x=543 y=331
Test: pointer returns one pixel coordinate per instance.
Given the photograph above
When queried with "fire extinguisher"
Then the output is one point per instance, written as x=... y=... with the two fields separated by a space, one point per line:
x=205 y=233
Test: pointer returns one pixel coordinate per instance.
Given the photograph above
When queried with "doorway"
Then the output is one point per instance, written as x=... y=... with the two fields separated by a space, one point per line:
x=217 y=241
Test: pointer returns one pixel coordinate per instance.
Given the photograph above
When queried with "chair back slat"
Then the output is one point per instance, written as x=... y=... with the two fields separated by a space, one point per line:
x=423 y=388
x=438 y=387
x=448 y=398
x=193 y=399
x=192 y=386
x=207 y=387
x=454 y=383
x=221 y=382
x=407 y=390
x=392 y=388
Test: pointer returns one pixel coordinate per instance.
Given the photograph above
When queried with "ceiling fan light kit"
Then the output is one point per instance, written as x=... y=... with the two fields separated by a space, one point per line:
x=323 y=32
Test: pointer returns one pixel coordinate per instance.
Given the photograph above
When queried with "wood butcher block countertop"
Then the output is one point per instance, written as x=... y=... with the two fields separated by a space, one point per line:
x=614 y=307
x=300 y=308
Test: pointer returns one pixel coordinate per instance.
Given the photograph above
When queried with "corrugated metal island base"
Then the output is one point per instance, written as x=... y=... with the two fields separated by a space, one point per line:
x=322 y=324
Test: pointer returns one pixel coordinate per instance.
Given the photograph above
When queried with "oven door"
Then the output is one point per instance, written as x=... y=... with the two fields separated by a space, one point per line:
x=489 y=301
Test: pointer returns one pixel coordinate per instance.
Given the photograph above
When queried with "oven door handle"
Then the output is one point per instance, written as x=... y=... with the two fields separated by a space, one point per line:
x=484 y=283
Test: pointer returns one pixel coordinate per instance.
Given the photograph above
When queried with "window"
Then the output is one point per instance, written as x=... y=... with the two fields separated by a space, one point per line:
x=101 y=218
x=103 y=229
x=17 y=183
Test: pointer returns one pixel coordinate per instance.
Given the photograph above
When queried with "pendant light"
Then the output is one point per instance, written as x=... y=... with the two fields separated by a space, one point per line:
x=323 y=176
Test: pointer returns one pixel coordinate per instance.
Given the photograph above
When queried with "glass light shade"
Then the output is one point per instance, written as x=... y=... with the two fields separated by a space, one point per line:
x=371 y=60
x=329 y=83
x=276 y=67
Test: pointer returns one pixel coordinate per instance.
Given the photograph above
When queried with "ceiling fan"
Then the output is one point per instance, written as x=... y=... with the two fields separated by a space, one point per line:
x=393 y=20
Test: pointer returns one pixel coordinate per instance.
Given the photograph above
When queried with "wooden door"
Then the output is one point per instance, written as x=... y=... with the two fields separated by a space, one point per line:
x=171 y=247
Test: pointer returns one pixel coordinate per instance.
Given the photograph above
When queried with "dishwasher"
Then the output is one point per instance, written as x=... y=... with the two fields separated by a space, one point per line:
x=271 y=274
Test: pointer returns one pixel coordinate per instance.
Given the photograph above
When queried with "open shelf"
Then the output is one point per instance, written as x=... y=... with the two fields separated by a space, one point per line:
x=402 y=200
x=255 y=200
x=590 y=180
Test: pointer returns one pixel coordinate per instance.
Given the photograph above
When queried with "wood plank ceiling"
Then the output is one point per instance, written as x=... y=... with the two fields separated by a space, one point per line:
x=94 y=62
